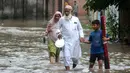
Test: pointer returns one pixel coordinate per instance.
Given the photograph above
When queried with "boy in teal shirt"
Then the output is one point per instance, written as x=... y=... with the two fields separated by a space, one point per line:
x=96 y=40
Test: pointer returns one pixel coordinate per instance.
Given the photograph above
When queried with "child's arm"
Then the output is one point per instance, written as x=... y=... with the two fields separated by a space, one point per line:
x=106 y=39
x=88 y=41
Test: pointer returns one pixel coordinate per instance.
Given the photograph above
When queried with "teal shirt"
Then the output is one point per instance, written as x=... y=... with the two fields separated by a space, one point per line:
x=96 y=42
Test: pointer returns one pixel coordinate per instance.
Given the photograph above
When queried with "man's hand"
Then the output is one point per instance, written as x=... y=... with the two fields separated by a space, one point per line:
x=81 y=39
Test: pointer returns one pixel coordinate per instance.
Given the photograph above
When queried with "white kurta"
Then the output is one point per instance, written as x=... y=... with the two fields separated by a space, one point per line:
x=71 y=32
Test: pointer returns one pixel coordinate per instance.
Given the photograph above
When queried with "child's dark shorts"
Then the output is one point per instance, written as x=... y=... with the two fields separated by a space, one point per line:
x=93 y=57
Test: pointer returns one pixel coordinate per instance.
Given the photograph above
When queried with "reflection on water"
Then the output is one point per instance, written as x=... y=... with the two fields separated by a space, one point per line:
x=22 y=51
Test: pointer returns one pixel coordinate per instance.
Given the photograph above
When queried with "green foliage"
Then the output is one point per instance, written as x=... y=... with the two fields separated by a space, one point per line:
x=101 y=4
x=112 y=25
x=86 y=26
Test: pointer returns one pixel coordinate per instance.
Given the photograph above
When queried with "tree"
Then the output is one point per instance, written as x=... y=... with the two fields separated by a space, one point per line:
x=112 y=24
x=102 y=4
x=124 y=16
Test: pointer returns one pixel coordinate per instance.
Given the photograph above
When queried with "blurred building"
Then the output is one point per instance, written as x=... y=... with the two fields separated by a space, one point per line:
x=35 y=9
x=59 y=5
x=81 y=11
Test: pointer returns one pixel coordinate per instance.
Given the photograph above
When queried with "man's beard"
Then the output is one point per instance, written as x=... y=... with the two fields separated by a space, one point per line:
x=68 y=17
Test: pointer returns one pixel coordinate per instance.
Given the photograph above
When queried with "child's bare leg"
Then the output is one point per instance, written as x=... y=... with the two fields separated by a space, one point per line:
x=91 y=67
x=92 y=62
x=100 y=64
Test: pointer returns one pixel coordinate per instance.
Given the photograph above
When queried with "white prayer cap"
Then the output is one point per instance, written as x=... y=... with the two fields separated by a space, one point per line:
x=68 y=7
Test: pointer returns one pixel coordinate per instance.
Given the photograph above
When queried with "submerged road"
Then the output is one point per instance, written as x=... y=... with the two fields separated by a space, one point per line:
x=22 y=51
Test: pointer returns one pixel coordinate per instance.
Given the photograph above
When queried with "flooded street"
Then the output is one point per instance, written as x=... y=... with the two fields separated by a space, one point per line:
x=22 y=51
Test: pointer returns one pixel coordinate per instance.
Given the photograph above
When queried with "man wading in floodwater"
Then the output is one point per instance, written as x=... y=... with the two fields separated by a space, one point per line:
x=72 y=34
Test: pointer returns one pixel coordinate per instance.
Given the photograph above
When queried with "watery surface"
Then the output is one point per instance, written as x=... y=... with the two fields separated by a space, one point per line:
x=22 y=51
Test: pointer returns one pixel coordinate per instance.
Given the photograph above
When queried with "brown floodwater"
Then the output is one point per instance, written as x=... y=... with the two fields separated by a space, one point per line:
x=22 y=51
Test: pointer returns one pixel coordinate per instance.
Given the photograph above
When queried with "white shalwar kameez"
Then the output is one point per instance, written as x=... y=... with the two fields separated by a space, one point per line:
x=71 y=32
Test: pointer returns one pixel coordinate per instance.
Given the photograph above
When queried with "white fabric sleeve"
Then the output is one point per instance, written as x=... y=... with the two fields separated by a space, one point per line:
x=58 y=32
x=60 y=23
x=80 y=29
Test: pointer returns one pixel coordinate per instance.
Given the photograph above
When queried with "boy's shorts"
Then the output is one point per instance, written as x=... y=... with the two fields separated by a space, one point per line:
x=93 y=57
